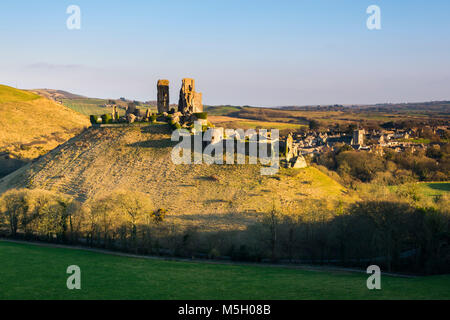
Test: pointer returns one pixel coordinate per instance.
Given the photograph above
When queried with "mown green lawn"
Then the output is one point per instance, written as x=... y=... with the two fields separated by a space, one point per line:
x=34 y=272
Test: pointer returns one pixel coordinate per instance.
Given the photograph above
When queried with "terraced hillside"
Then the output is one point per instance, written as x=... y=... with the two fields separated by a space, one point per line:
x=139 y=158
x=32 y=125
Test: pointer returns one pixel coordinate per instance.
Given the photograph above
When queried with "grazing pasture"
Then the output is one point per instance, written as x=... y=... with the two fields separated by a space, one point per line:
x=25 y=273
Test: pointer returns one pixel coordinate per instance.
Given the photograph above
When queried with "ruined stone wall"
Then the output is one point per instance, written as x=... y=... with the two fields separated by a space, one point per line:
x=190 y=101
x=197 y=105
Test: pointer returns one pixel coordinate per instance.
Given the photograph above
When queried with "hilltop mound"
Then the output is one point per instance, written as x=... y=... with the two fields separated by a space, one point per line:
x=101 y=160
x=32 y=125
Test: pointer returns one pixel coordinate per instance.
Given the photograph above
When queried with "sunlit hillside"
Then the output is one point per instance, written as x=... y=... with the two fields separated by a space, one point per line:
x=138 y=158
x=32 y=125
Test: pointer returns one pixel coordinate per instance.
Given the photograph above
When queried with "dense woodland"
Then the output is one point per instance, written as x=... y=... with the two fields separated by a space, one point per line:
x=391 y=168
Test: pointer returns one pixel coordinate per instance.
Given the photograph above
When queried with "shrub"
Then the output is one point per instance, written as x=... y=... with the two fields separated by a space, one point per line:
x=95 y=119
x=159 y=215
x=107 y=118
x=174 y=125
x=201 y=115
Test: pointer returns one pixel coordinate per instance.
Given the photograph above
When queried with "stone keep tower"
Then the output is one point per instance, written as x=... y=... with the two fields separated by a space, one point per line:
x=190 y=101
x=163 y=96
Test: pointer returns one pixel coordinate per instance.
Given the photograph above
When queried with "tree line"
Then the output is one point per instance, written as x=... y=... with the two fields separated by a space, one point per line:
x=396 y=235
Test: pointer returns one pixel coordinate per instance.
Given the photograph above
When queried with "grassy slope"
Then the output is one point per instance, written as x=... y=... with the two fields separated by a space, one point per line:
x=139 y=158
x=32 y=125
x=430 y=190
x=433 y=189
x=26 y=274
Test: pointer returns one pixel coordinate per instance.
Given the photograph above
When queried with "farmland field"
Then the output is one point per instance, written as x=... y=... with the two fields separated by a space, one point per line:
x=240 y=123
x=88 y=106
x=25 y=273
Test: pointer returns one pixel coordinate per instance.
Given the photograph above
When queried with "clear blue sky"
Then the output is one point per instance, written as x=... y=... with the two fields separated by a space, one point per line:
x=266 y=53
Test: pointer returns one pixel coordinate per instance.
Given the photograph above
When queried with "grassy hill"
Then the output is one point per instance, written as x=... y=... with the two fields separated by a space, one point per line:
x=139 y=159
x=32 y=125
x=26 y=274
x=57 y=95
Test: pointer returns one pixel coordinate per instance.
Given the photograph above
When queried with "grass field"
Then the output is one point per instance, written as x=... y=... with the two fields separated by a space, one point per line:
x=426 y=190
x=433 y=189
x=89 y=106
x=34 y=272
x=238 y=123
x=220 y=110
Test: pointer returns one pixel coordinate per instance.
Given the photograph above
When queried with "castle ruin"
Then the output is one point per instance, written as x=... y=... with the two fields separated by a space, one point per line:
x=163 y=96
x=190 y=101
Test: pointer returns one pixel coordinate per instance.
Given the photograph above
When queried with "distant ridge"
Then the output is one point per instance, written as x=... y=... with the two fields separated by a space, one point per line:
x=56 y=95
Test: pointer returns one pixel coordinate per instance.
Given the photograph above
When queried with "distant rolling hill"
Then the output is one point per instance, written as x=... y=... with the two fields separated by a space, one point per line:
x=57 y=95
x=135 y=158
x=31 y=125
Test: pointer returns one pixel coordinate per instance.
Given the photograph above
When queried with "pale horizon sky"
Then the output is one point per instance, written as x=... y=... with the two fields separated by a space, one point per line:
x=260 y=53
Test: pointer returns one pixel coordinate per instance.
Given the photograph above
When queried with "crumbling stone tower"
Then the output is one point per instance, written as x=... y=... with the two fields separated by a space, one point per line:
x=190 y=101
x=163 y=96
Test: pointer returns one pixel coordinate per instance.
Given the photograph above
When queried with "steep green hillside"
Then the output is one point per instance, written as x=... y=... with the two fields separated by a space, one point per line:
x=31 y=125
x=139 y=158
